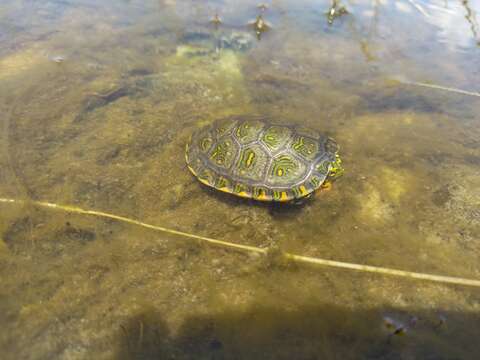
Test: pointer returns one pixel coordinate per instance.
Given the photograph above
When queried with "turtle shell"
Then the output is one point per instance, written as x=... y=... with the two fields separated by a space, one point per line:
x=253 y=158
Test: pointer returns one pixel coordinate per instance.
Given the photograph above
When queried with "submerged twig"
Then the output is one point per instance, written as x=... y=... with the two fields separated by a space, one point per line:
x=440 y=87
x=254 y=249
x=140 y=336
x=125 y=332
x=418 y=7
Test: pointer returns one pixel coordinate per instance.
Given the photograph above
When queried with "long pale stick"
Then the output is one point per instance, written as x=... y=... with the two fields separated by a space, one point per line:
x=253 y=249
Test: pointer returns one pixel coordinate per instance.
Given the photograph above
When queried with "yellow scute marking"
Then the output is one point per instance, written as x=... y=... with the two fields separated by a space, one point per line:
x=225 y=190
x=262 y=196
x=225 y=185
x=203 y=181
x=191 y=169
x=243 y=194
x=302 y=189
x=250 y=158
x=283 y=196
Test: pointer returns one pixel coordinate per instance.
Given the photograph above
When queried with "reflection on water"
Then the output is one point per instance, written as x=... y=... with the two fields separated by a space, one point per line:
x=450 y=18
x=98 y=100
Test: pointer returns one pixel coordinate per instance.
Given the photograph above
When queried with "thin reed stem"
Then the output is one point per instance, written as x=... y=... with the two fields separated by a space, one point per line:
x=253 y=249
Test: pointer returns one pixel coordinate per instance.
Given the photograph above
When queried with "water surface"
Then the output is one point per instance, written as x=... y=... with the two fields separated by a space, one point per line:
x=98 y=99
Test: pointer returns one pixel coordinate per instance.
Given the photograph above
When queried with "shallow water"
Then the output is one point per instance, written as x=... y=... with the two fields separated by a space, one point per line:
x=98 y=99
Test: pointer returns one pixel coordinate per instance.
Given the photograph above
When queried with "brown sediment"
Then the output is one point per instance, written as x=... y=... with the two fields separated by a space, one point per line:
x=77 y=285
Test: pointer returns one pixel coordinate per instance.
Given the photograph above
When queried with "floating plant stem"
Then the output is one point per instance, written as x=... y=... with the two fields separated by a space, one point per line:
x=253 y=249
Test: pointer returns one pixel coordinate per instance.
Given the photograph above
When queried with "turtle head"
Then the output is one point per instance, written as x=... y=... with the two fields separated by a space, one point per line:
x=336 y=169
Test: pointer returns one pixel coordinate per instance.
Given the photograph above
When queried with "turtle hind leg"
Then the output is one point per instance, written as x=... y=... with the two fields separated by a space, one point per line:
x=326 y=186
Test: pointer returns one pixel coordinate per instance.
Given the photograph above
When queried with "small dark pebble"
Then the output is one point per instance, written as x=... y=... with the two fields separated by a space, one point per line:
x=473 y=160
x=216 y=344
x=80 y=234
x=195 y=36
x=140 y=72
x=441 y=196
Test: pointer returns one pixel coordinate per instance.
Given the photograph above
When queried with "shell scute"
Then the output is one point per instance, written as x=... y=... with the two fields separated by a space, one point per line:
x=285 y=170
x=305 y=147
x=252 y=162
x=248 y=130
x=223 y=153
x=276 y=137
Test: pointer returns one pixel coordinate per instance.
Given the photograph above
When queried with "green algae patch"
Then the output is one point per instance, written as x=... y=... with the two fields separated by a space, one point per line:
x=373 y=207
x=3 y=247
x=20 y=62
x=397 y=183
x=230 y=65
x=217 y=75
x=188 y=51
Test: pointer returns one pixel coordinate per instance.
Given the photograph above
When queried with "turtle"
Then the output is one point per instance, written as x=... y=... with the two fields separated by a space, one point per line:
x=254 y=158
